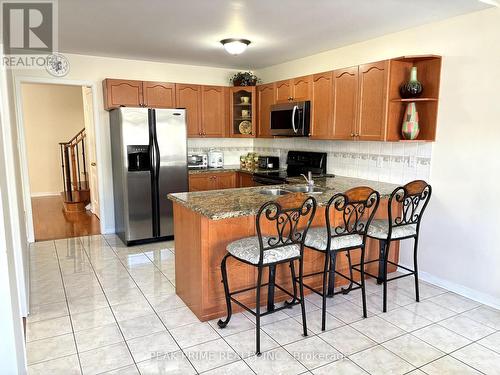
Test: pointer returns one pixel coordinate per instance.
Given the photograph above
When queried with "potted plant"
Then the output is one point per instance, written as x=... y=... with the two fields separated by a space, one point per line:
x=244 y=79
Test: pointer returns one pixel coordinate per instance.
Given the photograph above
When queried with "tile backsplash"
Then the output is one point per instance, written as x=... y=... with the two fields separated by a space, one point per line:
x=396 y=162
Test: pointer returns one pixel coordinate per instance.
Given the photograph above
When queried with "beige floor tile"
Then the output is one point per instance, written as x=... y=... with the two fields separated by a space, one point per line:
x=313 y=320
x=448 y=366
x=132 y=310
x=347 y=312
x=240 y=368
x=491 y=342
x=405 y=319
x=48 y=328
x=467 y=327
x=276 y=361
x=155 y=345
x=194 y=334
x=50 y=348
x=47 y=311
x=141 y=326
x=171 y=363
x=127 y=370
x=92 y=319
x=86 y=304
x=480 y=358
x=454 y=302
x=96 y=337
x=413 y=350
x=341 y=367
x=377 y=329
x=105 y=359
x=441 y=338
x=244 y=342
x=60 y=366
x=347 y=340
x=211 y=354
x=380 y=361
x=238 y=323
x=430 y=310
x=284 y=331
x=313 y=352
x=485 y=315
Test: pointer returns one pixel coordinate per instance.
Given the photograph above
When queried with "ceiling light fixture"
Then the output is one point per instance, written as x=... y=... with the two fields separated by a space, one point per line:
x=491 y=2
x=235 y=46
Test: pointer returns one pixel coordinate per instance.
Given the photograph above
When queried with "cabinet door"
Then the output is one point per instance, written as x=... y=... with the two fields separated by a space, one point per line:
x=122 y=93
x=213 y=114
x=345 y=102
x=189 y=97
x=265 y=98
x=226 y=180
x=158 y=94
x=322 y=106
x=245 y=180
x=201 y=182
x=283 y=91
x=302 y=88
x=372 y=114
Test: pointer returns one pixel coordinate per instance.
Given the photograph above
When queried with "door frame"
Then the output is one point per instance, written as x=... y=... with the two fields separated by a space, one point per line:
x=22 y=149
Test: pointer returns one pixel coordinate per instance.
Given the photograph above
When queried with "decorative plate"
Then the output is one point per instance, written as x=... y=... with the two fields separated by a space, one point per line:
x=245 y=127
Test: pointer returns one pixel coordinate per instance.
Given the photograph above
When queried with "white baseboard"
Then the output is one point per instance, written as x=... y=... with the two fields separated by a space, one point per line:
x=45 y=194
x=462 y=290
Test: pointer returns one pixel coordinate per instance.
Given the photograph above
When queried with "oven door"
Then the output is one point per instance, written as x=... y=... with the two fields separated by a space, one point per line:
x=290 y=119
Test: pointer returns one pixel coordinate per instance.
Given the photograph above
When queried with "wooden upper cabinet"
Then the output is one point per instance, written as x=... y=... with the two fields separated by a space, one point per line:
x=158 y=94
x=372 y=114
x=213 y=114
x=302 y=88
x=283 y=91
x=345 y=103
x=189 y=97
x=322 y=106
x=265 y=98
x=122 y=93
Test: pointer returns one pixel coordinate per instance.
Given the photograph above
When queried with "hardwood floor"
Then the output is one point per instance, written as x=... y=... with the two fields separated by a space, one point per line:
x=51 y=222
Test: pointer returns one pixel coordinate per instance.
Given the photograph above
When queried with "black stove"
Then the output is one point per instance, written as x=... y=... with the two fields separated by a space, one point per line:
x=298 y=162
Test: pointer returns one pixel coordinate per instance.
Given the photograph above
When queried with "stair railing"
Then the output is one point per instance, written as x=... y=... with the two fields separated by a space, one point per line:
x=71 y=153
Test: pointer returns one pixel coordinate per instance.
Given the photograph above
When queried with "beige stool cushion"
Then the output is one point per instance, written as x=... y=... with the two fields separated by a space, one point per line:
x=248 y=249
x=317 y=238
x=379 y=229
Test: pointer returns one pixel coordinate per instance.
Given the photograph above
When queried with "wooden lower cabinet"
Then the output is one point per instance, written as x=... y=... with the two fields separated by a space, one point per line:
x=245 y=180
x=212 y=181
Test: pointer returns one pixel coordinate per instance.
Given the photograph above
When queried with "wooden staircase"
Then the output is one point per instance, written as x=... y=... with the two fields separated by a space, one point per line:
x=76 y=193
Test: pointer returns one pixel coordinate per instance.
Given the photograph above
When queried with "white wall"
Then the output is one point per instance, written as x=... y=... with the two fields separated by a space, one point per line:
x=459 y=244
x=93 y=70
x=52 y=114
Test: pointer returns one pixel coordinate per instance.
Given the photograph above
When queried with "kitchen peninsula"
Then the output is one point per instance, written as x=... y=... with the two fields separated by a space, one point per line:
x=206 y=221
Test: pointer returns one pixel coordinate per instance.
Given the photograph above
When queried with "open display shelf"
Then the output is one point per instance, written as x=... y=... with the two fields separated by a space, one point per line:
x=242 y=110
x=429 y=72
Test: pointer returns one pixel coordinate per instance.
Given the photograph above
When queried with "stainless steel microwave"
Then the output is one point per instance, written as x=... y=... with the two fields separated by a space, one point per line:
x=291 y=119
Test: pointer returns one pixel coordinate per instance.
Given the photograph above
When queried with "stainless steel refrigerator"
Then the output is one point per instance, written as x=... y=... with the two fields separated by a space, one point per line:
x=149 y=151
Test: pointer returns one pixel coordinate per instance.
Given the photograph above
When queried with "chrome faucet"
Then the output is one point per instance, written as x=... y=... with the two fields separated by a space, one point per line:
x=309 y=178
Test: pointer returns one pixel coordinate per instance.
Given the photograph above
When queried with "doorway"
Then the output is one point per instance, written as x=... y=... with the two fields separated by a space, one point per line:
x=59 y=135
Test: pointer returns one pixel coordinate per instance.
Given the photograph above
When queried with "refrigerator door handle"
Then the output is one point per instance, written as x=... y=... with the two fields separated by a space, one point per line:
x=155 y=168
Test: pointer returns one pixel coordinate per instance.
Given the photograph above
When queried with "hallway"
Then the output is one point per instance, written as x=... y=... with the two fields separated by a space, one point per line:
x=50 y=222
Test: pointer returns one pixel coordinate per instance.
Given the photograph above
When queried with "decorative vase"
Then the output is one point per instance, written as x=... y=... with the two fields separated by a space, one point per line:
x=410 y=128
x=413 y=88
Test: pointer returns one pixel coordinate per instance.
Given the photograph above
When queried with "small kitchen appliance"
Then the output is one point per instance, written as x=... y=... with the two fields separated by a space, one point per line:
x=215 y=158
x=269 y=162
x=197 y=161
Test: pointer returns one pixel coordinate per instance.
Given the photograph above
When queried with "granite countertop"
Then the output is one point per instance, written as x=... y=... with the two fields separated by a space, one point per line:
x=228 y=168
x=230 y=203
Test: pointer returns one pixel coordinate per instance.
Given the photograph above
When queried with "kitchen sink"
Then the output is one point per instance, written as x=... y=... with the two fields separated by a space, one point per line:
x=304 y=189
x=275 y=191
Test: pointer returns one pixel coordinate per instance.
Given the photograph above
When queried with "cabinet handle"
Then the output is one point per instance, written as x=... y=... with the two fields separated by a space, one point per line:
x=356 y=135
x=352 y=134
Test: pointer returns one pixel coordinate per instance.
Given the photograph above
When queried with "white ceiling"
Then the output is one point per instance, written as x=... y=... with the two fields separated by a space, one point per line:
x=188 y=31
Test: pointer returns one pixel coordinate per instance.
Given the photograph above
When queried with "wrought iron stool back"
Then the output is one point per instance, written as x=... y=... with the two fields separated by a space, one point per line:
x=357 y=207
x=413 y=199
x=289 y=217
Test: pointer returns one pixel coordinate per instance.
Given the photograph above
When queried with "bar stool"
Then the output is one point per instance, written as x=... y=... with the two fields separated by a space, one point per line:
x=352 y=213
x=285 y=223
x=405 y=209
